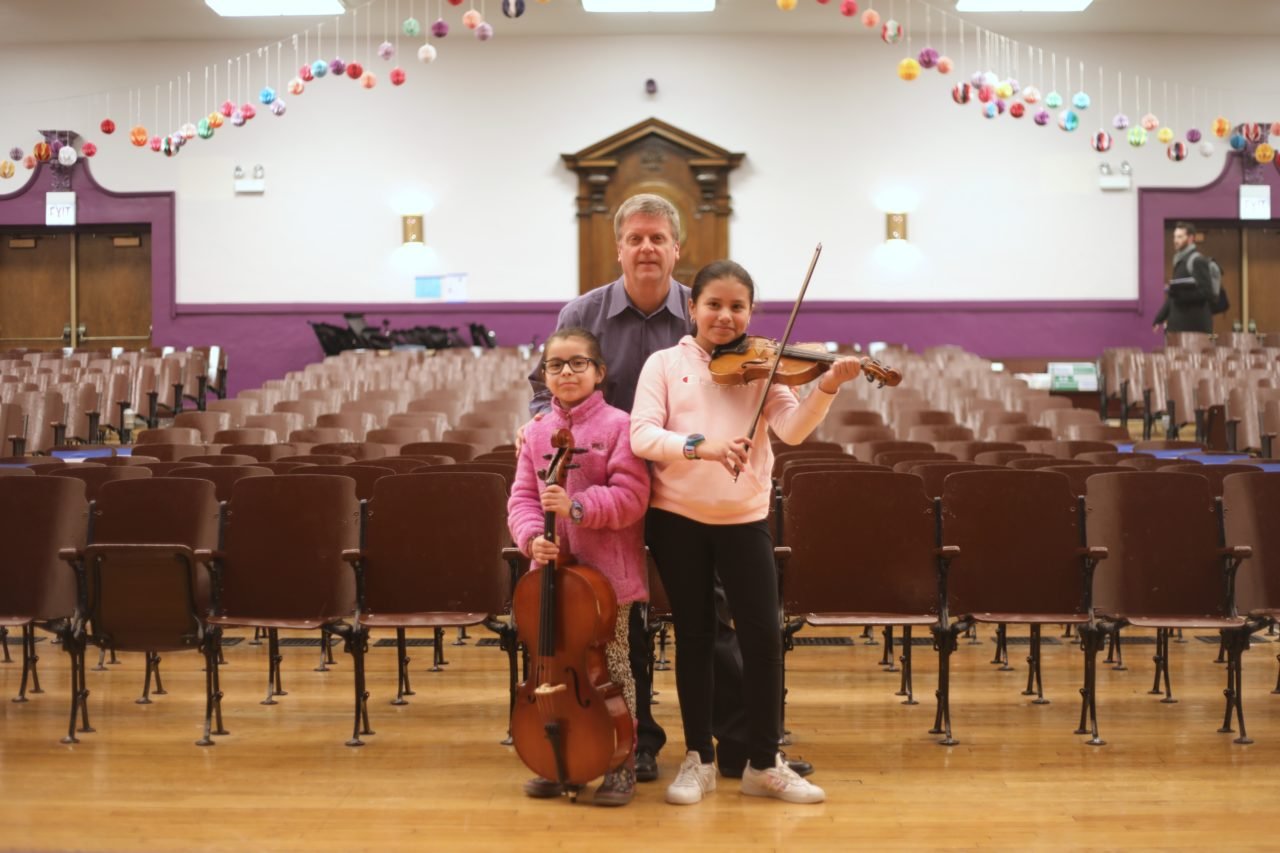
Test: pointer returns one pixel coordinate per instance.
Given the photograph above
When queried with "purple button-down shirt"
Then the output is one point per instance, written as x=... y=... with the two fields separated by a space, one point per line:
x=627 y=337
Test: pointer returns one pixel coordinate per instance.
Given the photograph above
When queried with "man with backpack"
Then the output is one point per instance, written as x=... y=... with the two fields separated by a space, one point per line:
x=1195 y=293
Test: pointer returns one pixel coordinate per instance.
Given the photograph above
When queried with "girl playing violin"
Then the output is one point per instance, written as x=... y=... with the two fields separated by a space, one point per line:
x=711 y=488
x=600 y=512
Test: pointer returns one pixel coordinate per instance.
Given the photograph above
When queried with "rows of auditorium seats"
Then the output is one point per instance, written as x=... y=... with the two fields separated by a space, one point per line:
x=1224 y=393
x=49 y=399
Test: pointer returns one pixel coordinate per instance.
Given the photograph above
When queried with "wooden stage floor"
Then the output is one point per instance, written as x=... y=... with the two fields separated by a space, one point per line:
x=434 y=777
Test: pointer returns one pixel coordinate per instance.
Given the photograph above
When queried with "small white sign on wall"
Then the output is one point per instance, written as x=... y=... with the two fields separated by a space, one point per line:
x=59 y=208
x=1255 y=201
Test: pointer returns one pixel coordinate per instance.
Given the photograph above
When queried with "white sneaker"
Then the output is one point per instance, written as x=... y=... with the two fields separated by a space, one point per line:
x=781 y=782
x=693 y=780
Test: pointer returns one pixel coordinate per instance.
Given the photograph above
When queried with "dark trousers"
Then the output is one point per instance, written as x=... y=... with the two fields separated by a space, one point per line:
x=690 y=556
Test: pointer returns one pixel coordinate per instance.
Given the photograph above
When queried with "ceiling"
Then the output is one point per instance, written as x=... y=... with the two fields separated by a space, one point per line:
x=80 y=21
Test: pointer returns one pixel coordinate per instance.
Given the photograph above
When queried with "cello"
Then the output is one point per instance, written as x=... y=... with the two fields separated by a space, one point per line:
x=570 y=722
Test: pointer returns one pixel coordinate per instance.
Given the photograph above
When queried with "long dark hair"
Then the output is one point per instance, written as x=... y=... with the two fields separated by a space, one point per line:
x=722 y=269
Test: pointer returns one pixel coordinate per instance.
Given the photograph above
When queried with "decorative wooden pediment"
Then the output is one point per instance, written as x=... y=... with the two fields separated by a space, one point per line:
x=654 y=157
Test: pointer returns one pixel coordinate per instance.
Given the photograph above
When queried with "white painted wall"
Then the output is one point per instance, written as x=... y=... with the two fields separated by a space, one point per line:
x=1004 y=210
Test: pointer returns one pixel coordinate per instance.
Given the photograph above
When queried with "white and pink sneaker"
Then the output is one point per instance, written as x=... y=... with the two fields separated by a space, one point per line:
x=780 y=782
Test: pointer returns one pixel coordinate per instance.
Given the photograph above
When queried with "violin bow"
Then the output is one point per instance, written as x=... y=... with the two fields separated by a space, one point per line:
x=782 y=347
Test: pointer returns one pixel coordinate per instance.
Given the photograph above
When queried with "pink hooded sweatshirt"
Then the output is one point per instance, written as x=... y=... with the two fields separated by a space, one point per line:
x=675 y=398
x=612 y=485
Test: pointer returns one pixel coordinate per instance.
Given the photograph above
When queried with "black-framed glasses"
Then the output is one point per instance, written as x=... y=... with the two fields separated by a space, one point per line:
x=577 y=364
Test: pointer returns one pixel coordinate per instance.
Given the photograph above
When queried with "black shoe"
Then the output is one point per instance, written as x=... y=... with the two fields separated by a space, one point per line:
x=647 y=766
x=734 y=771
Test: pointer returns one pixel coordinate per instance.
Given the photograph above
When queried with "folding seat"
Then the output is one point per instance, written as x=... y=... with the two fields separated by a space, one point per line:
x=451 y=403
x=318 y=459
x=868 y=451
x=393 y=438
x=245 y=435
x=855 y=417
x=143 y=591
x=1069 y=449
x=220 y=459
x=96 y=476
x=482 y=438
x=1021 y=433
x=116 y=461
x=939 y=433
x=921 y=417
x=497 y=456
x=1166 y=575
x=170 y=435
x=1078 y=475
x=891 y=458
x=162 y=469
x=854 y=435
x=1034 y=463
x=283 y=564
x=1251 y=504
x=355 y=423
x=1059 y=421
x=42 y=409
x=357 y=450
x=434 y=423
x=458 y=450
x=363 y=474
x=1108 y=457
x=281 y=423
x=260 y=452
x=279 y=467
x=16 y=471
x=507 y=472
x=1096 y=432
x=967 y=450
x=1215 y=474
x=1148 y=463
x=223 y=477
x=989 y=419
x=308 y=410
x=401 y=464
x=1036 y=403
x=1004 y=457
x=506 y=422
x=237 y=410
x=934 y=474
x=176 y=452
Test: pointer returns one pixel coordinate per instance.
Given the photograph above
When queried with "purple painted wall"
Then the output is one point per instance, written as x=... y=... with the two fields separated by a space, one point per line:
x=265 y=341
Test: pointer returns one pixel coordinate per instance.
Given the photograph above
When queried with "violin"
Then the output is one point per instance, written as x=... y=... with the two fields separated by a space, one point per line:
x=570 y=722
x=749 y=358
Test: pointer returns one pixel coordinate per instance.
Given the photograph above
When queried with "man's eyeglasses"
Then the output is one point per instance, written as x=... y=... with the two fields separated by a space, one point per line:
x=577 y=364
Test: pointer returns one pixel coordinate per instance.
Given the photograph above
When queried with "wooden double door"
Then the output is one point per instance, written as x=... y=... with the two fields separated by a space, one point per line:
x=1249 y=254
x=83 y=287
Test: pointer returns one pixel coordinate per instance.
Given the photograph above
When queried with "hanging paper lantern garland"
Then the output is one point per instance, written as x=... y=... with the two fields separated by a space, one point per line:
x=909 y=69
x=319 y=68
x=88 y=149
x=1101 y=142
x=204 y=129
x=1137 y=137
x=107 y=126
x=237 y=118
x=891 y=32
x=1254 y=132
x=296 y=86
x=986 y=94
x=54 y=147
x=1165 y=135
x=138 y=135
x=1177 y=152
x=1193 y=135
x=155 y=143
x=1238 y=142
x=1068 y=121
x=42 y=151
x=515 y=8
x=472 y=19
x=386 y=50
x=411 y=27
x=1052 y=100
x=248 y=111
x=1275 y=128
x=484 y=31
x=396 y=76
x=368 y=80
x=215 y=120
x=1206 y=149
x=1004 y=90
x=67 y=156
x=945 y=65
x=439 y=30
x=1264 y=153
x=355 y=70
x=426 y=54
x=1031 y=95
x=7 y=169
x=1120 y=122
x=15 y=153
x=29 y=162
x=989 y=111
x=871 y=19
x=928 y=58
x=227 y=108
x=1221 y=127
x=1041 y=117
x=188 y=131
x=1017 y=109
x=337 y=65
x=267 y=95
x=848 y=8
x=278 y=107
x=1081 y=100
x=307 y=73
x=1150 y=122
x=961 y=93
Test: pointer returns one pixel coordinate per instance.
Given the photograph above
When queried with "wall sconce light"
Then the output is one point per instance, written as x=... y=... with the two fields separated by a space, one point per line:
x=1109 y=181
x=411 y=229
x=256 y=184
x=895 y=226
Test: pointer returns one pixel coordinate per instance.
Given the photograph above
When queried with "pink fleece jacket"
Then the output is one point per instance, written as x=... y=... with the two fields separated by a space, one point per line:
x=675 y=398
x=612 y=485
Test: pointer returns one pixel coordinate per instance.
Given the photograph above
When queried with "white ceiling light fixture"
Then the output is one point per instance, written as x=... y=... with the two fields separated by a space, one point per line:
x=1022 y=5
x=274 y=8
x=635 y=6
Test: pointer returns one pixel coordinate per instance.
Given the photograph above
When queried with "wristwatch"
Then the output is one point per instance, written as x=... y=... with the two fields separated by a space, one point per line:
x=691 y=446
x=576 y=512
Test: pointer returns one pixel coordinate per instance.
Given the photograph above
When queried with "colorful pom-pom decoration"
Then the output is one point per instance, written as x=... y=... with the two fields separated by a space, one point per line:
x=1137 y=137
x=306 y=74
x=1017 y=109
x=1275 y=128
x=1177 y=152
x=54 y=147
x=945 y=65
x=484 y=32
x=68 y=156
x=908 y=69
x=1068 y=120
x=427 y=53
x=368 y=80
x=319 y=68
x=1221 y=127
x=1081 y=100
x=1193 y=136
x=138 y=135
x=472 y=19
x=1238 y=142
x=1001 y=106
x=975 y=80
x=848 y=8
x=439 y=29
x=1004 y=90
x=237 y=118
x=43 y=151
x=267 y=95
x=1041 y=117
x=396 y=76
x=1165 y=135
x=871 y=19
x=990 y=111
x=928 y=58
x=29 y=162
x=355 y=70
x=1150 y=122
x=411 y=27
x=786 y=5
x=1101 y=142
x=1264 y=153
x=155 y=143
x=204 y=129
x=296 y=86
x=961 y=93
x=513 y=8
x=891 y=32
x=7 y=169
x=986 y=94
x=15 y=153
x=455 y=2
x=227 y=108
x=1206 y=149
x=337 y=65
x=248 y=111
x=1052 y=100
x=1014 y=86
x=278 y=107
x=188 y=131
x=1031 y=95
x=107 y=126
x=88 y=149
x=215 y=120
x=1254 y=132
x=386 y=50
x=167 y=147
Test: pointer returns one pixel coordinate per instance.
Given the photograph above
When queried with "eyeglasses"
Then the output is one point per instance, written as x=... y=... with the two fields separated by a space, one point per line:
x=577 y=364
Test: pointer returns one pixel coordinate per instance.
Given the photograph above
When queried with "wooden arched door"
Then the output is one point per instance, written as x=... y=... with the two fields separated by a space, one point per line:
x=652 y=157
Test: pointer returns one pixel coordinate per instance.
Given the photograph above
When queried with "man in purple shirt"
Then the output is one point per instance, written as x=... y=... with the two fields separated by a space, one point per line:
x=644 y=311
